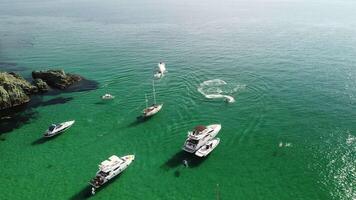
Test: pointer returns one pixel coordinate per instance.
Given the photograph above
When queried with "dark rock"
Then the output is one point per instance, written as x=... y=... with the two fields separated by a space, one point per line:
x=41 y=86
x=14 y=90
x=57 y=78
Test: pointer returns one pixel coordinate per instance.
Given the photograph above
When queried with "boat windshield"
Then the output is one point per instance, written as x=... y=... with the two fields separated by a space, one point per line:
x=103 y=173
x=193 y=141
x=52 y=127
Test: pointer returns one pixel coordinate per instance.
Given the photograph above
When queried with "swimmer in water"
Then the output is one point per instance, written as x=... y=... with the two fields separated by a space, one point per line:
x=185 y=163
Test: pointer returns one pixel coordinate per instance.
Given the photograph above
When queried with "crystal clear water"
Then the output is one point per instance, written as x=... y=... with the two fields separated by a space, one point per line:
x=290 y=65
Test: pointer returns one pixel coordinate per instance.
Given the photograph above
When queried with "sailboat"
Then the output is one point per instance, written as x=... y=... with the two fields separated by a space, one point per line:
x=154 y=108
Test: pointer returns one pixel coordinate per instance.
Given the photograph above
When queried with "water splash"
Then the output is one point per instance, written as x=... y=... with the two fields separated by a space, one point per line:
x=219 y=89
x=285 y=144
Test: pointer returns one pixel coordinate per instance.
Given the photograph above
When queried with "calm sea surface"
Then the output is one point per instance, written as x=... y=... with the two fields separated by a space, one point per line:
x=289 y=64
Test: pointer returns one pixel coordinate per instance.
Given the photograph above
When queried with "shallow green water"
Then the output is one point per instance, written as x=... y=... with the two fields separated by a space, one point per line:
x=290 y=65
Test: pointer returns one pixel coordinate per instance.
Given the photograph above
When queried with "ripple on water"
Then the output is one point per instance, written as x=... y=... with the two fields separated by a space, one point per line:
x=255 y=96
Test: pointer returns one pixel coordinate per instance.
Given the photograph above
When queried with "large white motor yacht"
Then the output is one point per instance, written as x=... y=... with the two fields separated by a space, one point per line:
x=110 y=168
x=200 y=136
x=55 y=129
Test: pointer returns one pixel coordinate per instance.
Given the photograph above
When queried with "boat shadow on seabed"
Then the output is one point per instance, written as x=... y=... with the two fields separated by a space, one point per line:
x=85 y=193
x=139 y=120
x=183 y=158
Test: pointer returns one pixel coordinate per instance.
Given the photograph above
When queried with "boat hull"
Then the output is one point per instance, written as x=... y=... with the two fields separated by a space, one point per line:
x=204 y=151
x=67 y=125
x=155 y=109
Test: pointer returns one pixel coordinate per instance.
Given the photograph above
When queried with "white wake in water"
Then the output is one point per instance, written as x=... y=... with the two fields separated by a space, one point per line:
x=219 y=89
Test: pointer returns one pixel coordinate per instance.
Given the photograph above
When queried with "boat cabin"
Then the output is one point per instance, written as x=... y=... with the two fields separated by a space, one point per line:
x=52 y=127
x=107 y=165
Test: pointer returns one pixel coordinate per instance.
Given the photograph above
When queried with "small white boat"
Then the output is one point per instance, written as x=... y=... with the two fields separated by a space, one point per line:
x=107 y=97
x=161 y=70
x=200 y=136
x=55 y=129
x=110 y=168
x=209 y=147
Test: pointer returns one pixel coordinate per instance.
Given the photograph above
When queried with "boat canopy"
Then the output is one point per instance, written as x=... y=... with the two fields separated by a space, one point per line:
x=199 y=129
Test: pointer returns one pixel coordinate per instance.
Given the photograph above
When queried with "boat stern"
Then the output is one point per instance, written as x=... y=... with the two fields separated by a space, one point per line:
x=188 y=148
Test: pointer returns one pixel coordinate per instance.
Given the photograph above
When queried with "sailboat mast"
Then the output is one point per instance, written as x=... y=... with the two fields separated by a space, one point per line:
x=146 y=100
x=154 y=92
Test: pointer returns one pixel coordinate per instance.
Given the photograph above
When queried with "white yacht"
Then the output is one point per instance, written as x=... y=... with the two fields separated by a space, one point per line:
x=160 y=70
x=154 y=108
x=110 y=168
x=200 y=136
x=107 y=97
x=55 y=129
x=209 y=147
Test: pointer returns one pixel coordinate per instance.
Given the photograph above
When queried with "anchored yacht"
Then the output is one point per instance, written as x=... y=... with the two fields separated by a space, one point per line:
x=154 y=108
x=209 y=147
x=110 y=168
x=55 y=129
x=200 y=136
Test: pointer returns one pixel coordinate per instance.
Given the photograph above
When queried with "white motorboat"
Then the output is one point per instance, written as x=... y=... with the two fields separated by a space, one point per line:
x=200 y=136
x=154 y=108
x=110 y=168
x=161 y=70
x=55 y=129
x=209 y=147
x=107 y=97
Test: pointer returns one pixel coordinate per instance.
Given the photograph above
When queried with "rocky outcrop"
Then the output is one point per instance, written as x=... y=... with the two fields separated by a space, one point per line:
x=14 y=90
x=41 y=86
x=56 y=78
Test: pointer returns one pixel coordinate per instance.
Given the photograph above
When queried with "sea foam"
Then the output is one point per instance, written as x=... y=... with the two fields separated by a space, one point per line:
x=219 y=89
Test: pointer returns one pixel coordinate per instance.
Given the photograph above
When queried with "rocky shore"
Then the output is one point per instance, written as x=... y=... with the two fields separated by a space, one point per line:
x=15 y=90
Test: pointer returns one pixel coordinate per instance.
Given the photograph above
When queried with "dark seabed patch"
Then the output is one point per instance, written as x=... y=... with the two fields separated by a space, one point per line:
x=2 y=138
x=14 y=118
x=85 y=193
x=139 y=120
x=81 y=86
x=36 y=101
x=183 y=158
x=42 y=140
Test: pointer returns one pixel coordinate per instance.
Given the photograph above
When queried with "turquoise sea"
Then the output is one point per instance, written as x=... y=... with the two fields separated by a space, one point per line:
x=289 y=64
